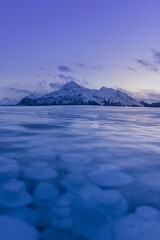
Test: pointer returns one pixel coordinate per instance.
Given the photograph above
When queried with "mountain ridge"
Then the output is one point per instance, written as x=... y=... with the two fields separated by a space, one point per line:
x=72 y=93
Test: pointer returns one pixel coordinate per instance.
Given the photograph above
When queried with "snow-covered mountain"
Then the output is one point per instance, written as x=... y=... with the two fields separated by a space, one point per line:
x=70 y=94
x=73 y=94
x=30 y=100
x=112 y=97
x=150 y=102
x=8 y=102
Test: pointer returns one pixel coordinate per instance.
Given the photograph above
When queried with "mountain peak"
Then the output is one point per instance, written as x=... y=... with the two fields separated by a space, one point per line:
x=69 y=86
x=105 y=89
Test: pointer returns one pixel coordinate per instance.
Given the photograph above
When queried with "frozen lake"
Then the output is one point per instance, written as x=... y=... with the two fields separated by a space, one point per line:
x=80 y=172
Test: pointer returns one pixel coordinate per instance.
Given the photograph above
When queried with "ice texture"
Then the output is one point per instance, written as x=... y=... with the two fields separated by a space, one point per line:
x=109 y=167
x=79 y=173
x=92 y=226
x=58 y=234
x=45 y=192
x=105 y=178
x=9 y=169
x=14 y=228
x=77 y=159
x=29 y=215
x=39 y=173
x=144 y=224
x=14 y=194
x=45 y=196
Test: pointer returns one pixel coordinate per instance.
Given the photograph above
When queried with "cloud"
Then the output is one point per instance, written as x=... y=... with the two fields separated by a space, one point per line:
x=151 y=94
x=96 y=67
x=148 y=65
x=64 y=68
x=81 y=65
x=85 y=82
x=18 y=91
x=146 y=94
x=99 y=67
x=42 y=83
x=67 y=78
x=62 y=80
x=156 y=56
x=131 y=69
x=42 y=68
x=141 y=94
x=128 y=68
x=55 y=85
x=152 y=64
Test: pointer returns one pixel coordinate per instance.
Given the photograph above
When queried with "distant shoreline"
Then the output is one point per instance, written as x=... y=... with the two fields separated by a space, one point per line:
x=67 y=105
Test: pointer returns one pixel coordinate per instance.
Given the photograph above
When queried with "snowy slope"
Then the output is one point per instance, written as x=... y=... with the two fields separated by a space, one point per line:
x=112 y=97
x=70 y=94
x=30 y=100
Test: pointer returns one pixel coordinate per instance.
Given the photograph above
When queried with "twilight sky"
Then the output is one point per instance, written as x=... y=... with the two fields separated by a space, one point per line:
x=45 y=43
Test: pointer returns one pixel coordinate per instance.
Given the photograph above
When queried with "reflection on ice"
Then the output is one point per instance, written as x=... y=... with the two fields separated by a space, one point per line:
x=83 y=174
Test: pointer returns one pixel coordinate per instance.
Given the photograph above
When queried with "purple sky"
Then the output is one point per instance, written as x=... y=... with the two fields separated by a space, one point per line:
x=44 y=43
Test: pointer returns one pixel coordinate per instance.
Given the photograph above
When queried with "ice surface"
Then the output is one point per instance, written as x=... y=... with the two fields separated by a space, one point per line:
x=80 y=173
x=110 y=178
x=144 y=224
x=14 y=228
x=65 y=200
x=148 y=212
x=39 y=173
x=9 y=169
x=77 y=159
x=109 y=167
x=39 y=164
x=61 y=212
x=45 y=196
x=74 y=181
x=45 y=192
x=32 y=216
x=109 y=203
x=92 y=226
x=14 y=194
x=62 y=223
x=58 y=234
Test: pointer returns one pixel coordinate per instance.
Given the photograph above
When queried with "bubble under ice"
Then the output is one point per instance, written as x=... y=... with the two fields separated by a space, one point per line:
x=14 y=228
x=143 y=224
x=94 y=177
x=105 y=178
x=77 y=159
x=13 y=194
